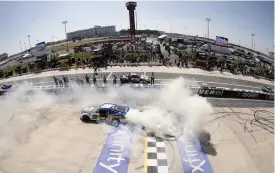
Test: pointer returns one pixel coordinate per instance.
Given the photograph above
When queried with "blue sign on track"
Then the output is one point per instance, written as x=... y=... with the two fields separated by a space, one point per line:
x=193 y=159
x=115 y=154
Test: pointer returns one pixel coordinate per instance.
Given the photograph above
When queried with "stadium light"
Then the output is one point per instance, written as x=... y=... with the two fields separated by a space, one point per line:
x=30 y=41
x=25 y=46
x=252 y=35
x=208 y=20
x=65 y=22
x=136 y=20
x=20 y=46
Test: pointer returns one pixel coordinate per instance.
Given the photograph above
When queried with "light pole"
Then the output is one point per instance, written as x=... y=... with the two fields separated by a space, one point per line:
x=30 y=41
x=20 y=46
x=252 y=35
x=136 y=20
x=208 y=20
x=65 y=22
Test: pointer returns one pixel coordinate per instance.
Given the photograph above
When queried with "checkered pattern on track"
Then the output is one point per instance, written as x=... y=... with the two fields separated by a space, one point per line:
x=156 y=156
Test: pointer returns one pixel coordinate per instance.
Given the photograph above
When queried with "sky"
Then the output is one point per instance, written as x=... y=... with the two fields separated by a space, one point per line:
x=43 y=20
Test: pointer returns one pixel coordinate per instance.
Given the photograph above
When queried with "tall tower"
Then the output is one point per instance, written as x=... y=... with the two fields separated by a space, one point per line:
x=131 y=6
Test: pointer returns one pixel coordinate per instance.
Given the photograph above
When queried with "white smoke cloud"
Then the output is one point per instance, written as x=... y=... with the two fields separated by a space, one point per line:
x=170 y=110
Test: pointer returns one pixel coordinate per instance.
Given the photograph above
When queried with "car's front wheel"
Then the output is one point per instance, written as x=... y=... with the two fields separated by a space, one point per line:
x=85 y=118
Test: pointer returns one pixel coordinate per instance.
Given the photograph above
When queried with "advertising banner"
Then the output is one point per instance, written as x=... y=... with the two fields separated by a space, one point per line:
x=40 y=46
x=221 y=41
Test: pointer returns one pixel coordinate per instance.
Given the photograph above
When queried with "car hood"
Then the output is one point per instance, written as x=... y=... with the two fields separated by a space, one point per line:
x=144 y=77
x=89 y=109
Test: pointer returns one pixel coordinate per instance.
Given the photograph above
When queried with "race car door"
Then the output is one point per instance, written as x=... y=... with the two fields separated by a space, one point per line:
x=135 y=78
x=103 y=113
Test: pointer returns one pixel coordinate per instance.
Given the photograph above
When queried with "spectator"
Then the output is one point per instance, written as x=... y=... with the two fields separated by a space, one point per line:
x=152 y=79
x=104 y=79
x=65 y=81
x=114 y=80
x=77 y=80
x=129 y=77
x=87 y=79
x=55 y=81
x=94 y=80
x=60 y=83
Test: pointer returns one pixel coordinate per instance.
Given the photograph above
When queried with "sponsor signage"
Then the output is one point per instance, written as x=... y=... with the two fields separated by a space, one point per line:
x=40 y=46
x=115 y=154
x=222 y=41
x=193 y=159
x=248 y=95
x=210 y=92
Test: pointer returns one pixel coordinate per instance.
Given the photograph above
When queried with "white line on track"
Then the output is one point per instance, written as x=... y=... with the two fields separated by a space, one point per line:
x=109 y=75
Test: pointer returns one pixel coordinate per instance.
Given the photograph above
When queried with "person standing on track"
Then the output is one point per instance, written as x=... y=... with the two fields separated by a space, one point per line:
x=55 y=81
x=87 y=79
x=65 y=81
x=152 y=78
x=129 y=78
x=104 y=79
x=94 y=80
x=60 y=83
x=114 y=80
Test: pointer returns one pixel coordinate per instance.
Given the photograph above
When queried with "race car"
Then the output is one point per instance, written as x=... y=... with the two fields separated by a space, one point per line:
x=112 y=114
x=268 y=89
x=134 y=78
x=6 y=86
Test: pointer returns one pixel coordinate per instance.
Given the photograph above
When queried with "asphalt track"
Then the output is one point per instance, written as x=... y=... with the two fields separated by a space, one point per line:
x=194 y=80
x=61 y=143
x=162 y=78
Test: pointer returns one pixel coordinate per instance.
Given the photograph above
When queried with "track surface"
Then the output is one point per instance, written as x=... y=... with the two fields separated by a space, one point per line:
x=59 y=142
x=164 y=77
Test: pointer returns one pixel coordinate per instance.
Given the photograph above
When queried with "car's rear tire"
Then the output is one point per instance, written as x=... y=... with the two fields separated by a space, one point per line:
x=115 y=122
x=85 y=118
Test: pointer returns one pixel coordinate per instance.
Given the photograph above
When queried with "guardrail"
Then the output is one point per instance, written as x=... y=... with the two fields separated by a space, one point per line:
x=217 y=92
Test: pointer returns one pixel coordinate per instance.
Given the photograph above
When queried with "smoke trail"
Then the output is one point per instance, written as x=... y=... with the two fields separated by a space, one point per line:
x=171 y=110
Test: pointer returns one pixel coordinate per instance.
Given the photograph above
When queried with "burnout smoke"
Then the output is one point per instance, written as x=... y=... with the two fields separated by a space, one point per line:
x=170 y=110
x=175 y=110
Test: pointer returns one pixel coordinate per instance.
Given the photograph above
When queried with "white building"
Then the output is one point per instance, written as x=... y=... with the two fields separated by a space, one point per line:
x=96 y=31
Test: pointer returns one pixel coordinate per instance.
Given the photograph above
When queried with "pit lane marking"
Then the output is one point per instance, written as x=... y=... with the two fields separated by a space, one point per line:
x=109 y=75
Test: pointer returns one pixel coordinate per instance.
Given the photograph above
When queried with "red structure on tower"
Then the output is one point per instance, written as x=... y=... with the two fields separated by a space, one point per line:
x=131 y=6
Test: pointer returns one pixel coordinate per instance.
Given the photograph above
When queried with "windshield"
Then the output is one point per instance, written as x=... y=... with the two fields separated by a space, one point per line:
x=121 y=108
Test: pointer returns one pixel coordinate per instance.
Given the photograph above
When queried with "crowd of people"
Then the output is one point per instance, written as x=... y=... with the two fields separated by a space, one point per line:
x=64 y=81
